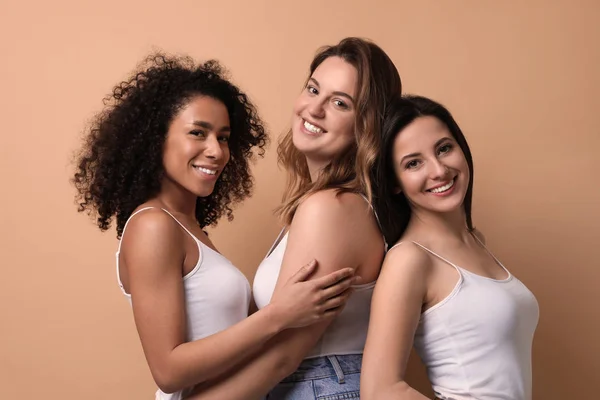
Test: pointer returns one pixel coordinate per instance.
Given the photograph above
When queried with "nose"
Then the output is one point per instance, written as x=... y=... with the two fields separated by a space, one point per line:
x=316 y=108
x=438 y=170
x=213 y=148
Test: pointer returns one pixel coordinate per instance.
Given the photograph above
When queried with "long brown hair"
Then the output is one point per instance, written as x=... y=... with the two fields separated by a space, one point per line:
x=394 y=208
x=378 y=82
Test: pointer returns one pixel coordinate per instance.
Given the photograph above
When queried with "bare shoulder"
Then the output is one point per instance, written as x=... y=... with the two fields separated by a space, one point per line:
x=402 y=283
x=338 y=230
x=333 y=206
x=407 y=259
x=152 y=229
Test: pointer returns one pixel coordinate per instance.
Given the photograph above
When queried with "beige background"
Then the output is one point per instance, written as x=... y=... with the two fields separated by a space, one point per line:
x=522 y=80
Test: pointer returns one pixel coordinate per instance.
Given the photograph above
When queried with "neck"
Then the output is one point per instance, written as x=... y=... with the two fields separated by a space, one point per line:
x=450 y=225
x=315 y=168
x=177 y=199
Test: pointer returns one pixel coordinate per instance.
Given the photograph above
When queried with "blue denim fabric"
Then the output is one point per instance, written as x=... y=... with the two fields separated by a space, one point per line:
x=322 y=378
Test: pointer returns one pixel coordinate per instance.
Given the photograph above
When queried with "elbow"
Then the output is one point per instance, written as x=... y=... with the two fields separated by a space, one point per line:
x=167 y=381
x=167 y=385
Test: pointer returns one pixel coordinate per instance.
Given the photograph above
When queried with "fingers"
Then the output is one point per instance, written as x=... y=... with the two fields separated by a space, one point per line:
x=333 y=312
x=304 y=272
x=336 y=302
x=339 y=287
x=333 y=278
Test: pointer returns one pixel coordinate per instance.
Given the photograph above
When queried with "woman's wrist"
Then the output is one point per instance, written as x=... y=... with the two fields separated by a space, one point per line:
x=275 y=318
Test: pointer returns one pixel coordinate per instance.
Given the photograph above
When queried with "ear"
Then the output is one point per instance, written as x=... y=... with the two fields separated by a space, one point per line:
x=396 y=187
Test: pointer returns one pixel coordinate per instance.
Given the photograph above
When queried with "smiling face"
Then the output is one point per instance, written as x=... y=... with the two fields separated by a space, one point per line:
x=196 y=147
x=430 y=166
x=323 y=118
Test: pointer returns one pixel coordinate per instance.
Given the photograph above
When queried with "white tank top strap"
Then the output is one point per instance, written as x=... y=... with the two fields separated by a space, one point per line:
x=183 y=226
x=198 y=243
x=437 y=255
x=276 y=242
x=385 y=243
x=491 y=254
x=432 y=253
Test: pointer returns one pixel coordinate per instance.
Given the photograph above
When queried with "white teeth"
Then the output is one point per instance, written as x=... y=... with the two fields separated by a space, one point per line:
x=443 y=188
x=206 y=170
x=311 y=128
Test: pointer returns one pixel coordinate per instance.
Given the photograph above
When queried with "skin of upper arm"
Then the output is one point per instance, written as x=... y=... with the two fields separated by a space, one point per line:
x=337 y=231
x=333 y=230
x=395 y=312
x=326 y=227
x=153 y=252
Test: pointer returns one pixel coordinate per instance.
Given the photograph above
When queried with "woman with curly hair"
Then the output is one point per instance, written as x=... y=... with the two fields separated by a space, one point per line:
x=168 y=156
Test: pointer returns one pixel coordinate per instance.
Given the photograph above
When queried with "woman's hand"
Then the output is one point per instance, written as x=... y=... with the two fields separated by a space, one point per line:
x=304 y=302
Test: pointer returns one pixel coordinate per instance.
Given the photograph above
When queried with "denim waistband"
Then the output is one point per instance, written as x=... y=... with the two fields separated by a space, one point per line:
x=322 y=367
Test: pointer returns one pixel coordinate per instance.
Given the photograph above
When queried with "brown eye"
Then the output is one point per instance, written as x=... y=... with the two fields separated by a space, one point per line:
x=445 y=148
x=340 y=104
x=198 y=133
x=412 y=164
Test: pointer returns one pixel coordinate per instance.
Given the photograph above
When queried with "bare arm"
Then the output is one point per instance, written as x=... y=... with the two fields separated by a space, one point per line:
x=335 y=230
x=154 y=253
x=395 y=313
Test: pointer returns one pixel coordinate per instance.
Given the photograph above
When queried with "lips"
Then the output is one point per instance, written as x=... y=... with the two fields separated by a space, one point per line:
x=208 y=172
x=442 y=188
x=312 y=127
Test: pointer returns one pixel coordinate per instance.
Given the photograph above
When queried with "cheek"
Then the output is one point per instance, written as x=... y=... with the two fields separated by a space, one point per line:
x=169 y=156
x=459 y=162
x=345 y=129
x=410 y=182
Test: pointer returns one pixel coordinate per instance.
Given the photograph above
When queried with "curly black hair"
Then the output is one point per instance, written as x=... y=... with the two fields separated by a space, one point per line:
x=120 y=164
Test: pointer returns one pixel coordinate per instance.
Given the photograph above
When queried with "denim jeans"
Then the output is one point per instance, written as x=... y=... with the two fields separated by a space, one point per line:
x=322 y=378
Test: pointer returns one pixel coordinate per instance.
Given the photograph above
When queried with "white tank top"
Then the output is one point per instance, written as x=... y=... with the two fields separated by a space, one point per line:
x=217 y=295
x=347 y=333
x=476 y=343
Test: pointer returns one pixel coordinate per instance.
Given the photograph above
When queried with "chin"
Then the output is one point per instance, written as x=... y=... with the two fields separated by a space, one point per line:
x=204 y=192
x=300 y=143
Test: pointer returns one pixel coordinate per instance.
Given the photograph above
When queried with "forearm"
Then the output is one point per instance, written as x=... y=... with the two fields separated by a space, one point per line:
x=279 y=358
x=202 y=360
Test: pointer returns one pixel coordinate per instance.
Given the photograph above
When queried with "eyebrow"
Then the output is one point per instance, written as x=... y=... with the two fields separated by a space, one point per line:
x=434 y=146
x=210 y=127
x=337 y=93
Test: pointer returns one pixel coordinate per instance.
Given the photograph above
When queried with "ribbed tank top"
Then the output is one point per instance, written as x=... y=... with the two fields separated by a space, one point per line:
x=347 y=333
x=476 y=343
x=217 y=295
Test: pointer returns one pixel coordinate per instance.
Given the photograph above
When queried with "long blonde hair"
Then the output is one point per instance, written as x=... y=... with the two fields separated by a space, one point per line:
x=378 y=82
